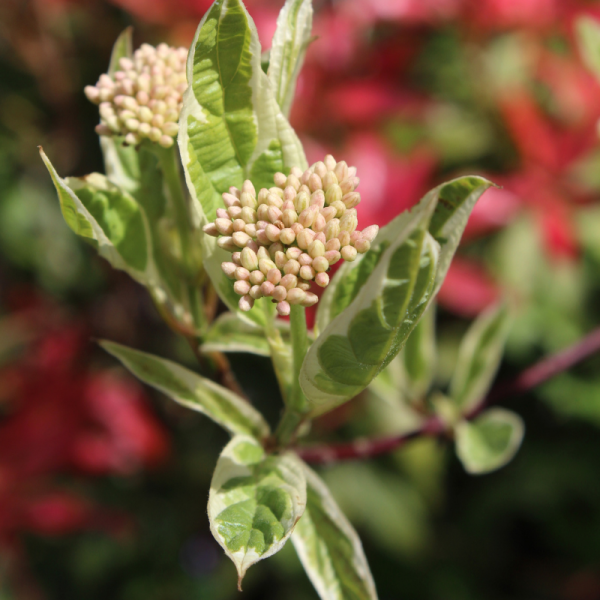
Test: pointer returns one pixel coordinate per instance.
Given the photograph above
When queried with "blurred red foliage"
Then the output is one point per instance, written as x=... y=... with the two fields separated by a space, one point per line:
x=62 y=419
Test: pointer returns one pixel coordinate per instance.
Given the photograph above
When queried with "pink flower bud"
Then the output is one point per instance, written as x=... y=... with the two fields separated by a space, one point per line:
x=242 y=273
x=255 y=291
x=305 y=259
x=274 y=200
x=274 y=276
x=305 y=238
x=349 y=253
x=328 y=213
x=226 y=243
x=291 y=267
x=283 y=308
x=256 y=277
x=316 y=248
x=275 y=248
x=249 y=259
x=362 y=245
x=265 y=265
x=310 y=299
x=332 y=256
x=370 y=232
x=247 y=199
x=262 y=213
x=307 y=273
x=241 y=287
x=296 y=296
x=289 y=193
x=262 y=238
x=319 y=223
x=240 y=238
x=280 y=259
x=279 y=293
x=267 y=288
x=320 y=264
x=234 y=212
x=229 y=269
x=341 y=170
x=246 y=303
x=321 y=237
x=239 y=225
x=322 y=279
x=211 y=229
x=293 y=181
x=304 y=286
x=329 y=179
x=329 y=162
x=320 y=169
x=315 y=183
x=280 y=180
x=248 y=214
x=332 y=229
x=289 y=281
x=273 y=214
x=248 y=187
x=351 y=199
x=333 y=244
x=263 y=253
x=344 y=238
x=287 y=236
x=296 y=228
x=293 y=253
x=289 y=217
x=236 y=257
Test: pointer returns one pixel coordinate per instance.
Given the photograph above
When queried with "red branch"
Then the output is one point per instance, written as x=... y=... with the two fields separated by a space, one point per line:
x=528 y=379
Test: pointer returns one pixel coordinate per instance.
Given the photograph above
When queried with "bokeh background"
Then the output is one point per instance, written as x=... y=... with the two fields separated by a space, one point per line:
x=103 y=483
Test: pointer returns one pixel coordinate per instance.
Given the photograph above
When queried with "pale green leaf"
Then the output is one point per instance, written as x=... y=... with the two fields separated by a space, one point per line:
x=452 y=204
x=229 y=334
x=255 y=501
x=379 y=313
x=419 y=356
x=489 y=441
x=122 y=48
x=189 y=389
x=291 y=39
x=231 y=126
x=329 y=547
x=110 y=219
x=588 y=33
x=479 y=357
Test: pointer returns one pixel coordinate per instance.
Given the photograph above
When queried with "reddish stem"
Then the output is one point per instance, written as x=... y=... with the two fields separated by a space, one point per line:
x=528 y=379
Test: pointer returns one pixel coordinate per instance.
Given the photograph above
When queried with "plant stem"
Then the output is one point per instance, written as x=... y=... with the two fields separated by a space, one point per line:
x=528 y=379
x=299 y=333
x=170 y=169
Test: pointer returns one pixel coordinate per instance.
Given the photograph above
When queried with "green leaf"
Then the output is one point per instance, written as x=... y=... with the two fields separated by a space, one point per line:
x=452 y=204
x=490 y=441
x=329 y=548
x=189 y=389
x=229 y=334
x=109 y=218
x=588 y=33
x=380 y=312
x=479 y=357
x=231 y=127
x=123 y=48
x=255 y=501
x=291 y=39
x=419 y=356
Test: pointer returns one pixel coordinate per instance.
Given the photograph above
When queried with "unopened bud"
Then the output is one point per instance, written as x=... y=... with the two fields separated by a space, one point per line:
x=291 y=267
x=310 y=299
x=275 y=248
x=248 y=215
x=332 y=256
x=341 y=170
x=249 y=259
x=280 y=259
x=229 y=269
x=289 y=281
x=305 y=238
x=307 y=273
x=263 y=253
x=349 y=253
x=340 y=207
x=280 y=180
x=293 y=181
x=315 y=183
x=320 y=169
x=289 y=193
x=257 y=277
x=274 y=276
x=236 y=257
x=279 y=293
x=255 y=291
x=287 y=236
x=320 y=264
x=349 y=221
x=247 y=199
x=289 y=217
x=328 y=213
x=351 y=199
x=226 y=243
x=362 y=245
x=329 y=162
x=296 y=296
x=241 y=287
x=344 y=238
x=267 y=288
x=316 y=248
x=239 y=225
x=283 y=308
x=240 y=238
x=242 y=273
x=332 y=229
x=234 y=212
x=246 y=303
x=370 y=232
x=265 y=265
x=329 y=180
x=322 y=279
x=211 y=229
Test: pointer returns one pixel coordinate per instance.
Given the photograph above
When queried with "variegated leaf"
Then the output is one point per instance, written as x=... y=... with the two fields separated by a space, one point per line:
x=255 y=501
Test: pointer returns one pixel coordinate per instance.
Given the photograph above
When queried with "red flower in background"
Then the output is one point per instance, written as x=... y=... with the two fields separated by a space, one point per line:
x=62 y=418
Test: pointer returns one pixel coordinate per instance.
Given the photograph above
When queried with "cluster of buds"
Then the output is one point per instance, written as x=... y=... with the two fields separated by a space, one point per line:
x=288 y=236
x=143 y=99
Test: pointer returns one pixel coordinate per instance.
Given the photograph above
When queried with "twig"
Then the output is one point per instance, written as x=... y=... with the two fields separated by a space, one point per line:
x=527 y=380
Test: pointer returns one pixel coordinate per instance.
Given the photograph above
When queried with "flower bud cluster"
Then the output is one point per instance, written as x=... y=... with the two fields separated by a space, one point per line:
x=143 y=99
x=288 y=236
